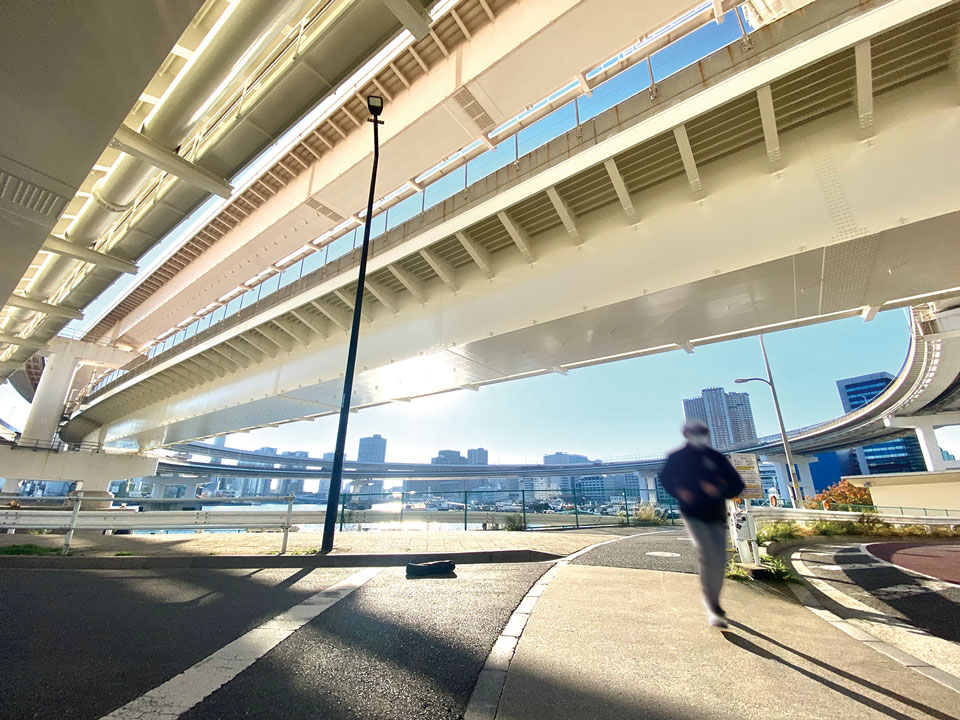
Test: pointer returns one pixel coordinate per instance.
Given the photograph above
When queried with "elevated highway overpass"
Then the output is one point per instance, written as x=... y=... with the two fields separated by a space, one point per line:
x=806 y=176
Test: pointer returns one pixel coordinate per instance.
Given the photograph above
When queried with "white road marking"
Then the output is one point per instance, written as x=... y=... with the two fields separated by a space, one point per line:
x=849 y=566
x=658 y=553
x=174 y=697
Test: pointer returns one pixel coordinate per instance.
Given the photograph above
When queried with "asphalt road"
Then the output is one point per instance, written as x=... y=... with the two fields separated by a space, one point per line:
x=79 y=644
x=653 y=549
x=930 y=604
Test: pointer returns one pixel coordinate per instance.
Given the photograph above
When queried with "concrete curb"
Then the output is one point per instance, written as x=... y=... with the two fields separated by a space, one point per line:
x=224 y=562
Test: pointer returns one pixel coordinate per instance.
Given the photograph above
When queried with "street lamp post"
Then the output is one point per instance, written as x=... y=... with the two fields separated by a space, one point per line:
x=794 y=485
x=375 y=106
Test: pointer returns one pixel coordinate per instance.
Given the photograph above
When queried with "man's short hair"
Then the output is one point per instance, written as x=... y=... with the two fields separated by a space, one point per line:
x=695 y=427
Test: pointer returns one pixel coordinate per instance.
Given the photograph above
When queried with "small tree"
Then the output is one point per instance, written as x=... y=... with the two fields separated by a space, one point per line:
x=845 y=492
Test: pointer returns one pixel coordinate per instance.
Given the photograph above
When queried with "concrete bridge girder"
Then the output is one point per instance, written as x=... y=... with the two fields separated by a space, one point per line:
x=820 y=240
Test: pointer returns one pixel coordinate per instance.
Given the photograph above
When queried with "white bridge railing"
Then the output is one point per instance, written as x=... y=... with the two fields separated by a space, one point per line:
x=768 y=514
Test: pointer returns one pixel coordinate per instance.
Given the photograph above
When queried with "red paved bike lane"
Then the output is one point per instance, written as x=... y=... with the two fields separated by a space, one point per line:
x=939 y=561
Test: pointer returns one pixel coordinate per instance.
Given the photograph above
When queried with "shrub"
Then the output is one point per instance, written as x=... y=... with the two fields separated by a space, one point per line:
x=844 y=492
x=647 y=515
x=779 y=530
x=122 y=553
x=833 y=527
x=515 y=522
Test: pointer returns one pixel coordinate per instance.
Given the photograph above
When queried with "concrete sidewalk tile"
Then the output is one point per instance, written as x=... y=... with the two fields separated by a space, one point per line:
x=516 y=624
x=501 y=653
x=895 y=654
x=942 y=677
x=486 y=696
x=611 y=643
x=526 y=605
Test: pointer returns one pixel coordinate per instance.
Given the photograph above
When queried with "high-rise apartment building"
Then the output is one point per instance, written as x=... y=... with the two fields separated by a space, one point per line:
x=728 y=415
x=891 y=456
x=373 y=449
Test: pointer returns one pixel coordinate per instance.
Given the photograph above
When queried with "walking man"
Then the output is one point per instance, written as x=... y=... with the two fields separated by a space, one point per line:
x=701 y=479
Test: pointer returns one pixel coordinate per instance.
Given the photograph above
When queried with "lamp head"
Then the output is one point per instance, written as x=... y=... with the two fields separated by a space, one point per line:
x=375 y=105
x=741 y=380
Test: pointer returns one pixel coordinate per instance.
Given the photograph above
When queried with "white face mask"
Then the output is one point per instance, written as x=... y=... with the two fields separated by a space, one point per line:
x=698 y=441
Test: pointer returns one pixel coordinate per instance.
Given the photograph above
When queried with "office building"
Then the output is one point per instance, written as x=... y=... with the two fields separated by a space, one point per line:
x=566 y=482
x=891 y=456
x=449 y=457
x=373 y=449
x=728 y=415
x=477 y=456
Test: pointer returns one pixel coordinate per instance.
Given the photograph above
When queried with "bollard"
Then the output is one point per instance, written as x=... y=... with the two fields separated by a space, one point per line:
x=626 y=509
x=576 y=510
x=73 y=523
x=286 y=523
x=523 y=506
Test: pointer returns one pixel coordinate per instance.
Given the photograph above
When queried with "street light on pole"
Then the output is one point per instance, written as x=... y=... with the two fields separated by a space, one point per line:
x=794 y=485
x=375 y=106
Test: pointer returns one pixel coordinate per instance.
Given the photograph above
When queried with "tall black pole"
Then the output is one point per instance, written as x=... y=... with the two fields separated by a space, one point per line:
x=336 y=474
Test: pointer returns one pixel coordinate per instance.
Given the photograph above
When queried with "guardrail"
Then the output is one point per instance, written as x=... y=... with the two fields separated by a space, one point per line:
x=113 y=519
x=780 y=514
x=55 y=445
x=512 y=510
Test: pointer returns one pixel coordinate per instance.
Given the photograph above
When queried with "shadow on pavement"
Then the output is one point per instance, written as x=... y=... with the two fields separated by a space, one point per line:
x=749 y=646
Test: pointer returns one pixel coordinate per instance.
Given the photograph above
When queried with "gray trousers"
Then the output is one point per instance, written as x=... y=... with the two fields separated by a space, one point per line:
x=710 y=542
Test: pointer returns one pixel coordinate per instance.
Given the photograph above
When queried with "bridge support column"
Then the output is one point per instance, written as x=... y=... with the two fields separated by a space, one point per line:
x=51 y=396
x=932 y=456
x=925 y=427
x=804 y=477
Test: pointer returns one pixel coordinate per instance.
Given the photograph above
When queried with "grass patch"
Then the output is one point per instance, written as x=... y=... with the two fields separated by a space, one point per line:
x=778 y=569
x=736 y=571
x=122 y=553
x=29 y=549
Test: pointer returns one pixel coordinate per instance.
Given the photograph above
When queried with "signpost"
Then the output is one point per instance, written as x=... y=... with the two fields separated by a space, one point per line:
x=742 y=525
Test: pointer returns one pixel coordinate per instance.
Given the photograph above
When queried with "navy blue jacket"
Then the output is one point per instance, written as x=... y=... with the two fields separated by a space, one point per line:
x=693 y=468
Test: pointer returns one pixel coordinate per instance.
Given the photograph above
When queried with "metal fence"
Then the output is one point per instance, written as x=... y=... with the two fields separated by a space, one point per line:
x=455 y=510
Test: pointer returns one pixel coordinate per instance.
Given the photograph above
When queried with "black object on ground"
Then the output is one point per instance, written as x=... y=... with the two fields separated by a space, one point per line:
x=430 y=569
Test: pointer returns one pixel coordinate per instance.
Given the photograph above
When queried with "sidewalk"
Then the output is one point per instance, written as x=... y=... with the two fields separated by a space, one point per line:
x=407 y=541
x=615 y=643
